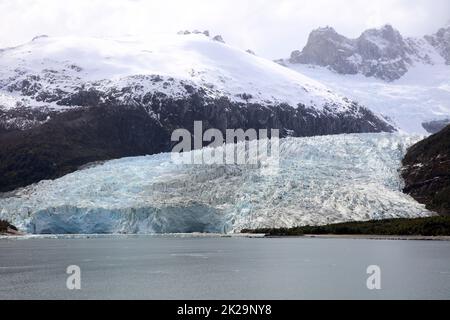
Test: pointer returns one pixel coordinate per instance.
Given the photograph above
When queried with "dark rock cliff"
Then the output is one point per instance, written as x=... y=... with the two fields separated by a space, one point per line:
x=426 y=172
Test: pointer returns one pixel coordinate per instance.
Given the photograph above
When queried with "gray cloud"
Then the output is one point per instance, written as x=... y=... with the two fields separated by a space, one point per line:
x=271 y=28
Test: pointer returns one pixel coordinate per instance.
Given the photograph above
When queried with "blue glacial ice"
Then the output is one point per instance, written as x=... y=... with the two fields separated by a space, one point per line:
x=321 y=180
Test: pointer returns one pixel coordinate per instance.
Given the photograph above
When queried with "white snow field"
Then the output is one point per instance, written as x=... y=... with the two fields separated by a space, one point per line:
x=321 y=180
x=421 y=95
x=60 y=65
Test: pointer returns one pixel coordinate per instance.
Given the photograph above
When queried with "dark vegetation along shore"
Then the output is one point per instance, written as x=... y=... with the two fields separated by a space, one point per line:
x=433 y=226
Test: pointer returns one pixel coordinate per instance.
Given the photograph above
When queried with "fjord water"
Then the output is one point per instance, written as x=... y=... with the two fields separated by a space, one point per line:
x=144 y=267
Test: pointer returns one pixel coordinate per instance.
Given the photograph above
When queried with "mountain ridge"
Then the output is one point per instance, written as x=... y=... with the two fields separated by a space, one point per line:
x=404 y=79
x=382 y=53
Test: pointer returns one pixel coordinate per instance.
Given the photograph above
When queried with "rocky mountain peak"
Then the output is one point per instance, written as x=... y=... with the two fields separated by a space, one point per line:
x=326 y=47
x=380 y=52
x=324 y=31
x=327 y=36
x=187 y=32
x=441 y=42
x=219 y=38
x=386 y=32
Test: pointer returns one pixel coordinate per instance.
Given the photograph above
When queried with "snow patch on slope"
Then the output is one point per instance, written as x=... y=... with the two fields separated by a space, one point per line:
x=321 y=180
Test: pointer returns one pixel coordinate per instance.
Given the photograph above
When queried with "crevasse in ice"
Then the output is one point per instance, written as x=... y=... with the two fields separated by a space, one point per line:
x=321 y=180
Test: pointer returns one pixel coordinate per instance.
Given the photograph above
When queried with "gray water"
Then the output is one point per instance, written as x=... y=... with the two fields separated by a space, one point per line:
x=223 y=268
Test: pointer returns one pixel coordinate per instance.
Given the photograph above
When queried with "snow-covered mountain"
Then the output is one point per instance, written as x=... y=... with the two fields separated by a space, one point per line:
x=73 y=100
x=61 y=73
x=321 y=180
x=49 y=71
x=406 y=79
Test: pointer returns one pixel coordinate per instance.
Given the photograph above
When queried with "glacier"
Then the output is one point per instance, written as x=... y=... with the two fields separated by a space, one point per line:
x=326 y=179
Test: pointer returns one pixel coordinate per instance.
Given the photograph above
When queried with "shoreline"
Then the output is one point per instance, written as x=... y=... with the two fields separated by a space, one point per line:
x=118 y=235
x=373 y=237
x=427 y=228
x=21 y=236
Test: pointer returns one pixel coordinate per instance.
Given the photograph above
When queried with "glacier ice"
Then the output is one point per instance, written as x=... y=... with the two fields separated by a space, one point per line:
x=321 y=180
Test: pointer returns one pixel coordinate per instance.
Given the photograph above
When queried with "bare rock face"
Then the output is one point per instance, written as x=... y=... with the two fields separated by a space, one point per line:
x=188 y=32
x=436 y=125
x=326 y=47
x=381 y=53
x=426 y=171
x=441 y=42
x=219 y=38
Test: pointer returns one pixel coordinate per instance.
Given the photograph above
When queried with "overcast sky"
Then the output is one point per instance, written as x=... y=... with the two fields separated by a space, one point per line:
x=272 y=28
